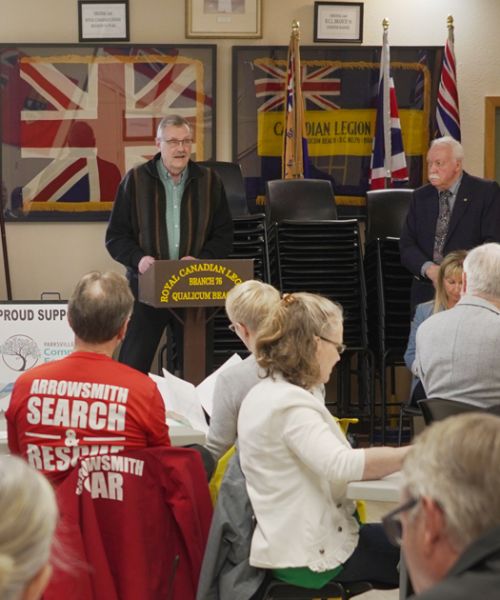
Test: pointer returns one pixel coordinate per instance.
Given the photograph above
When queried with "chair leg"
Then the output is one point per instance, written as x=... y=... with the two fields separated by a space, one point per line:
x=400 y=427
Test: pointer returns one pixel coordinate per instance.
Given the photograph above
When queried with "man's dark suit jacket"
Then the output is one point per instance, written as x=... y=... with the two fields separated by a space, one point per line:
x=475 y=220
x=476 y=574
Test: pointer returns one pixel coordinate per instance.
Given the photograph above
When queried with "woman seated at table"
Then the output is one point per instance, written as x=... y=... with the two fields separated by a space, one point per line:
x=297 y=462
x=448 y=289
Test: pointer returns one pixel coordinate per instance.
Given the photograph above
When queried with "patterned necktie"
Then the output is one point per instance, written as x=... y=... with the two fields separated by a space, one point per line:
x=442 y=224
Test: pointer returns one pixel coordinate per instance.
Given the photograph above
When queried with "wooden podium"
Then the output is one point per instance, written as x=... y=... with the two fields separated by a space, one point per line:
x=192 y=285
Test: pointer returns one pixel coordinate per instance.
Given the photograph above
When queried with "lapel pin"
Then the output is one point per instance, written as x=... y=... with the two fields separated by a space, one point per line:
x=466 y=199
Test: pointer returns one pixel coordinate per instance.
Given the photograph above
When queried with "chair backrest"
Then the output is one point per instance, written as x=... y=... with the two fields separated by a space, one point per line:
x=386 y=212
x=437 y=409
x=137 y=522
x=234 y=184
x=276 y=589
x=300 y=200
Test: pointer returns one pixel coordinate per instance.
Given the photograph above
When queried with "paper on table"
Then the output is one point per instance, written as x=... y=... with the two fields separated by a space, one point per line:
x=180 y=397
x=206 y=388
x=184 y=402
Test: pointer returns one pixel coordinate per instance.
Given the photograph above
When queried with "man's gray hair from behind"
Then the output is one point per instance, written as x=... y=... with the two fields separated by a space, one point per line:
x=455 y=462
x=482 y=269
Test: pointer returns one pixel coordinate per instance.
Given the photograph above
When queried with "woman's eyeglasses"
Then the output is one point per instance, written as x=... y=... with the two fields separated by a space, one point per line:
x=341 y=348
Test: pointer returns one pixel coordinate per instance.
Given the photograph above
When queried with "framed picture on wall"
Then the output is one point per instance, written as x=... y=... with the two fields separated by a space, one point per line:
x=224 y=18
x=103 y=21
x=76 y=118
x=338 y=22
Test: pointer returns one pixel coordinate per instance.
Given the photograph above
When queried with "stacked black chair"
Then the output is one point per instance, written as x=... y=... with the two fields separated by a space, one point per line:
x=252 y=240
x=317 y=253
x=300 y=199
x=234 y=184
x=324 y=257
x=388 y=287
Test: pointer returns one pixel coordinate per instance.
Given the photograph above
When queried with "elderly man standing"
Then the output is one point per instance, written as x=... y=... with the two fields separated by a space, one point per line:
x=457 y=349
x=454 y=211
x=449 y=522
x=168 y=208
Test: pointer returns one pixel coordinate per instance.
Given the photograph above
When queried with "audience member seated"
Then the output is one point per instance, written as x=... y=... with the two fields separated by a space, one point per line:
x=297 y=462
x=247 y=305
x=449 y=522
x=457 y=349
x=86 y=403
x=448 y=288
x=28 y=516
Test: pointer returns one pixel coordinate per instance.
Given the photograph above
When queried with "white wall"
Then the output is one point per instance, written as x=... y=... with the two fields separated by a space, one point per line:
x=50 y=256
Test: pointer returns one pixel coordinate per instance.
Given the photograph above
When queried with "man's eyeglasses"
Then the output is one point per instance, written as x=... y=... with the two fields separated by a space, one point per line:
x=232 y=327
x=392 y=522
x=174 y=143
x=341 y=348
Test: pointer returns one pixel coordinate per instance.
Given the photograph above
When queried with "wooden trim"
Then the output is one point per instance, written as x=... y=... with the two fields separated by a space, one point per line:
x=491 y=103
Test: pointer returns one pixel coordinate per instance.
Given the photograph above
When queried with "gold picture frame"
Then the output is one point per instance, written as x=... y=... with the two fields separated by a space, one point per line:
x=223 y=18
x=492 y=137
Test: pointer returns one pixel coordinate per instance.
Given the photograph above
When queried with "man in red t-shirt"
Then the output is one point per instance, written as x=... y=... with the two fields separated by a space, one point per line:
x=86 y=403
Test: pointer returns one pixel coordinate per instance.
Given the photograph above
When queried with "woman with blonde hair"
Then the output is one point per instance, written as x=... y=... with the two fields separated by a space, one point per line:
x=297 y=462
x=448 y=290
x=247 y=306
x=28 y=516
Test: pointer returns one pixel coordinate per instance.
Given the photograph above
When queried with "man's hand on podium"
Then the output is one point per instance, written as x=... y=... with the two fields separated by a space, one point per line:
x=145 y=263
x=188 y=258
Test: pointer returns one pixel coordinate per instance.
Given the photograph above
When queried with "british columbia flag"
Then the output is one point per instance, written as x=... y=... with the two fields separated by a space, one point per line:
x=388 y=161
x=447 y=110
x=94 y=118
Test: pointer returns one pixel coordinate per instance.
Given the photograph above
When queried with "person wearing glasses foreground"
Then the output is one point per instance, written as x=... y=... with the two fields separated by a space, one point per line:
x=168 y=208
x=449 y=522
x=297 y=462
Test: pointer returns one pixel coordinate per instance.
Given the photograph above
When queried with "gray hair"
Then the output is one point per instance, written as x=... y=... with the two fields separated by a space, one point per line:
x=250 y=302
x=456 y=147
x=455 y=462
x=172 y=121
x=482 y=269
x=99 y=306
x=28 y=516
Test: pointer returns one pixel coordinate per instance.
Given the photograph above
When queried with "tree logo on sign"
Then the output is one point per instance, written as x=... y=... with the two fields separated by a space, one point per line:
x=20 y=352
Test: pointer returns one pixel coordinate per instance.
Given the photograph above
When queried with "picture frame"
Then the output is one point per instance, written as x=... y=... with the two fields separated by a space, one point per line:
x=339 y=80
x=223 y=18
x=338 y=22
x=77 y=117
x=103 y=21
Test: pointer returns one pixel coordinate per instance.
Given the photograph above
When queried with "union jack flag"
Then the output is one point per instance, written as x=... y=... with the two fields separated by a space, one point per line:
x=388 y=160
x=319 y=86
x=96 y=118
x=447 y=110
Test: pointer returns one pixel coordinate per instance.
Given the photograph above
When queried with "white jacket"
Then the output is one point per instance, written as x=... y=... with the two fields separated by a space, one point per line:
x=297 y=463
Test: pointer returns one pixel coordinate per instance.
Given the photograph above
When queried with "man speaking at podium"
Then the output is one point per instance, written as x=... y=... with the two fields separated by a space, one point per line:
x=169 y=208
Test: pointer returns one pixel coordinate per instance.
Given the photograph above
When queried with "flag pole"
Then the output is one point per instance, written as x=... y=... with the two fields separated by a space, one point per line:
x=451 y=29
x=4 y=247
x=386 y=60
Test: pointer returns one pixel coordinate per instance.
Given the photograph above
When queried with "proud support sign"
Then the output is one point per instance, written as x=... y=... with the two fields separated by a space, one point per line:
x=31 y=334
